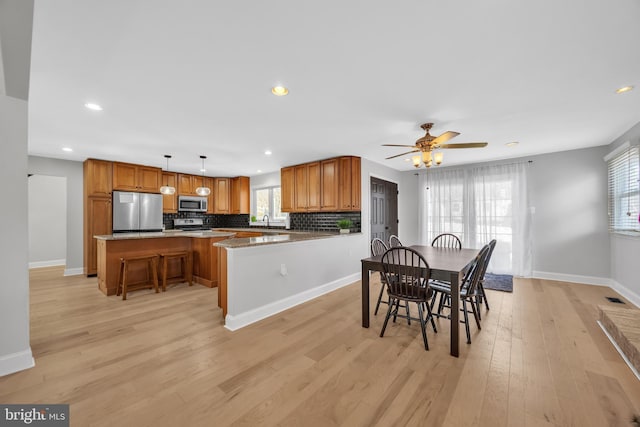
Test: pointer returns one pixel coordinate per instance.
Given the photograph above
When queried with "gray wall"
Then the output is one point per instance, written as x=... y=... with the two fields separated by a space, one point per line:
x=625 y=250
x=15 y=353
x=16 y=19
x=47 y=220
x=73 y=172
x=569 y=227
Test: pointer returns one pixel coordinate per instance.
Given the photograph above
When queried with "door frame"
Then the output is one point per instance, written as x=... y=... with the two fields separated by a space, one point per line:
x=384 y=178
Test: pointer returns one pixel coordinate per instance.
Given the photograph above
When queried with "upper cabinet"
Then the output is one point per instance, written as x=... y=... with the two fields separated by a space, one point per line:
x=170 y=201
x=240 y=196
x=222 y=190
x=330 y=185
x=130 y=177
x=287 y=189
x=97 y=178
x=349 y=194
x=187 y=184
x=307 y=187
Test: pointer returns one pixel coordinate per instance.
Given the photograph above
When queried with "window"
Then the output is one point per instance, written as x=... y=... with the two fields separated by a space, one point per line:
x=623 y=166
x=267 y=202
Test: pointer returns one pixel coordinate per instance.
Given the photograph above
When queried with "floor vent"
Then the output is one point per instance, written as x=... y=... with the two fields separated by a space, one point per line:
x=615 y=299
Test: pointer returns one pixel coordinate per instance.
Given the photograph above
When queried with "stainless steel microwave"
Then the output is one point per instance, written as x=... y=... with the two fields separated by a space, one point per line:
x=192 y=204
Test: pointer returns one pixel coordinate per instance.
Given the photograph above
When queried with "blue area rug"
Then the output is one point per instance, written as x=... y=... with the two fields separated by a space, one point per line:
x=498 y=282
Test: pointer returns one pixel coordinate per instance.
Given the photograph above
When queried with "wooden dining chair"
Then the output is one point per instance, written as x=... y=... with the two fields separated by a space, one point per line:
x=482 y=296
x=468 y=292
x=394 y=242
x=447 y=240
x=378 y=247
x=406 y=275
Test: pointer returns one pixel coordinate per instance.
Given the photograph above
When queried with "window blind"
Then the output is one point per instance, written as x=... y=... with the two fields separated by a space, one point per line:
x=624 y=190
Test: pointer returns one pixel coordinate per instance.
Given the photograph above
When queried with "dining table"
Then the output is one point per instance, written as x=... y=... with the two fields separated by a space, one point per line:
x=449 y=264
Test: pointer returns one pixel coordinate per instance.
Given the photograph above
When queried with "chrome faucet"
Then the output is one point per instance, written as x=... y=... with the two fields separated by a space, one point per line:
x=266 y=216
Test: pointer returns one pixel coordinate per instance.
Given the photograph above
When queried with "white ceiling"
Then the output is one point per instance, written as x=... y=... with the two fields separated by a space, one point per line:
x=191 y=78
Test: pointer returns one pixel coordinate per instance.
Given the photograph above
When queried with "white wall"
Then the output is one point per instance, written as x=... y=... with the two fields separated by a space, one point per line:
x=47 y=220
x=568 y=191
x=72 y=171
x=16 y=20
x=625 y=250
x=15 y=353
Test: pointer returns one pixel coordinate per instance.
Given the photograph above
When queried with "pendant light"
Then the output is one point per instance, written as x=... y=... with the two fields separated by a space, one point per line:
x=167 y=189
x=203 y=191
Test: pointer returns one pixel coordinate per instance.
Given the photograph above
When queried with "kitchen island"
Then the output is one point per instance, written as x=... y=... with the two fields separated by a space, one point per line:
x=112 y=247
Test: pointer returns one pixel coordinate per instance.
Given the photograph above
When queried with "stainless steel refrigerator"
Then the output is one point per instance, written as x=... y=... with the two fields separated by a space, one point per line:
x=136 y=212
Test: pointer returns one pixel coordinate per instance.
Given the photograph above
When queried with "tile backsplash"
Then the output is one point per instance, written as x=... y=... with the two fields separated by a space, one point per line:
x=209 y=220
x=323 y=221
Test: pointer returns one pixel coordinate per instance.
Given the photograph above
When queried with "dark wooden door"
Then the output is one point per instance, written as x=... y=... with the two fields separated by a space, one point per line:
x=384 y=209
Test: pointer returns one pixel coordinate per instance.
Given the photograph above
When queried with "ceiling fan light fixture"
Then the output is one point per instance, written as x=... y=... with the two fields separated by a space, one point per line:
x=203 y=191
x=426 y=158
x=437 y=157
x=416 y=161
x=166 y=188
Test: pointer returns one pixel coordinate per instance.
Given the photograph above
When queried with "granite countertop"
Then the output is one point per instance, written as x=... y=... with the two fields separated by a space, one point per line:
x=166 y=234
x=295 y=236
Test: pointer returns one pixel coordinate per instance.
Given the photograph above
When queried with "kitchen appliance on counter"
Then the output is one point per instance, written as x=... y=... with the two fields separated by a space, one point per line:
x=187 y=224
x=133 y=212
x=192 y=204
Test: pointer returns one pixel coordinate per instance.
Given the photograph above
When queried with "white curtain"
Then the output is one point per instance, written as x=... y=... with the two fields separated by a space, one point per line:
x=478 y=205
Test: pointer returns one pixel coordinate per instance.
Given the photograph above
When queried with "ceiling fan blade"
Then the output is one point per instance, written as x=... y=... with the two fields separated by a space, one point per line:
x=397 y=145
x=465 y=145
x=403 y=154
x=445 y=137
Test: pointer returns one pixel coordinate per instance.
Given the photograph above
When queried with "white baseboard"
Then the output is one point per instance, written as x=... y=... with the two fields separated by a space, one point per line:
x=241 y=320
x=73 y=271
x=15 y=362
x=626 y=292
x=573 y=278
x=591 y=280
x=50 y=263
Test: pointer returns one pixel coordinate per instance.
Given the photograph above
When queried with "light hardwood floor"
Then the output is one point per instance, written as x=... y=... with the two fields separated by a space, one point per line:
x=165 y=360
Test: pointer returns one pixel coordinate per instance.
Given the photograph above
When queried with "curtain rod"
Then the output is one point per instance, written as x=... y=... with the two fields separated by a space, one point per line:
x=496 y=164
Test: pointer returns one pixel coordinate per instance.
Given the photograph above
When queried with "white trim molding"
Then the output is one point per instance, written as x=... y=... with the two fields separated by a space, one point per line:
x=573 y=278
x=50 y=263
x=241 y=320
x=626 y=292
x=73 y=271
x=15 y=362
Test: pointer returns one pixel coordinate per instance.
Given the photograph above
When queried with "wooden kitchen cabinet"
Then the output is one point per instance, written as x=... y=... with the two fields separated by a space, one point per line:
x=240 y=195
x=97 y=178
x=97 y=221
x=330 y=181
x=222 y=190
x=211 y=198
x=170 y=201
x=349 y=188
x=287 y=189
x=187 y=184
x=130 y=177
x=331 y=185
x=307 y=187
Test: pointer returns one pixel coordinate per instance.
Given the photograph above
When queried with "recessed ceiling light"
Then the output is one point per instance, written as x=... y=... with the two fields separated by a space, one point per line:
x=267 y=153
x=203 y=170
x=624 y=89
x=407 y=160
x=259 y=171
x=512 y=144
x=92 y=106
x=279 y=90
x=67 y=149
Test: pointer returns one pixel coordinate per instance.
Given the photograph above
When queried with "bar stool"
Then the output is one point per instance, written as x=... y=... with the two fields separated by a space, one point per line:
x=124 y=274
x=186 y=267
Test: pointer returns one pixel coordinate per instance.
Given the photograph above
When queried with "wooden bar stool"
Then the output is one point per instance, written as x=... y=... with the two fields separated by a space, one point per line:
x=124 y=274
x=186 y=268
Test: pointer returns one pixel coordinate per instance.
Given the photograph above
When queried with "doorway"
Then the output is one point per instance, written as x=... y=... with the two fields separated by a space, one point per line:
x=384 y=209
x=47 y=220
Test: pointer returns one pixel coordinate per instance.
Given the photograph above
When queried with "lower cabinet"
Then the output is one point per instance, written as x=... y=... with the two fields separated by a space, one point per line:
x=97 y=221
x=206 y=261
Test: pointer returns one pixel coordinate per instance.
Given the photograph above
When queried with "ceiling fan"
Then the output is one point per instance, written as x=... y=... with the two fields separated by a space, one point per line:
x=428 y=143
